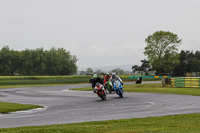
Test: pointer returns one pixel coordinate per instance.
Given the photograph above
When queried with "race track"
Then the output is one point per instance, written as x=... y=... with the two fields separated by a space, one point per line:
x=63 y=106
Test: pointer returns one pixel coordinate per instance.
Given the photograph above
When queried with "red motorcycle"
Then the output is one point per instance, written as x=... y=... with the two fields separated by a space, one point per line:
x=100 y=90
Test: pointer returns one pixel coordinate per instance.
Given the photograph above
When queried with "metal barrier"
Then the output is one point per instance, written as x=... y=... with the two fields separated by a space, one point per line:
x=150 y=76
x=190 y=82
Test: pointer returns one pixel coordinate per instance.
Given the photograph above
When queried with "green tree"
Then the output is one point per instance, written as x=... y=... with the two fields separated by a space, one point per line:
x=136 y=68
x=118 y=71
x=37 y=62
x=183 y=67
x=194 y=65
x=15 y=62
x=5 y=61
x=161 y=51
x=89 y=70
x=98 y=71
x=68 y=62
x=197 y=55
x=26 y=63
x=60 y=62
x=145 y=67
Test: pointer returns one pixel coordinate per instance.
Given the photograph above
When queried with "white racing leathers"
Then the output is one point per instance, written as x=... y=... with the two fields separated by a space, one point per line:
x=112 y=79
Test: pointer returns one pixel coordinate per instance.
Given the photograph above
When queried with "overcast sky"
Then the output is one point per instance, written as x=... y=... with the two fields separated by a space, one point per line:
x=98 y=32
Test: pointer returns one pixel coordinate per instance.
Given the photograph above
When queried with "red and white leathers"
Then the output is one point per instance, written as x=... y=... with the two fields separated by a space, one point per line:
x=107 y=78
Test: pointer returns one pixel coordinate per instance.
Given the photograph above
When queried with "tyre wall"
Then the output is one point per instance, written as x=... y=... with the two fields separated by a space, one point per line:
x=190 y=82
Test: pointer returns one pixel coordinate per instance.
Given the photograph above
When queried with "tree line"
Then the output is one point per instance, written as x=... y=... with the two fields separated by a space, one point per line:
x=163 y=57
x=119 y=71
x=189 y=62
x=37 y=62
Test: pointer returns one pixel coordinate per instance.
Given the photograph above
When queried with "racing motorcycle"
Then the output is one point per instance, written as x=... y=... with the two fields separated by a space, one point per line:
x=139 y=80
x=118 y=88
x=100 y=90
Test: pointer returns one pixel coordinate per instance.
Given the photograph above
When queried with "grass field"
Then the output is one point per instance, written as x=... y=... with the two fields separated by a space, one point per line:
x=156 y=88
x=42 y=80
x=188 y=123
x=12 y=107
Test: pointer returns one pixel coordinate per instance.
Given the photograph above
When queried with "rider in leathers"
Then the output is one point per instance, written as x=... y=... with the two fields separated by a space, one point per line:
x=96 y=79
x=115 y=77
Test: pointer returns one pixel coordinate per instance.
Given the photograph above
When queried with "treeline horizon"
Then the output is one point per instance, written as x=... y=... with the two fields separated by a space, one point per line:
x=60 y=62
x=37 y=62
x=189 y=62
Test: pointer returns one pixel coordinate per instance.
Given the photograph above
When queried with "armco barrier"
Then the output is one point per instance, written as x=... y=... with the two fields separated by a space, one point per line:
x=190 y=82
x=179 y=82
x=172 y=82
x=151 y=76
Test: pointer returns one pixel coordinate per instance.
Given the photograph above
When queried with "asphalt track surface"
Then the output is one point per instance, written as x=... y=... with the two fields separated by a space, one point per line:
x=63 y=106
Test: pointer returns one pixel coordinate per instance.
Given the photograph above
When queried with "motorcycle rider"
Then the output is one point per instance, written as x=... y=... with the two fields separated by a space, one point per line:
x=115 y=77
x=107 y=78
x=139 y=80
x=96 y=79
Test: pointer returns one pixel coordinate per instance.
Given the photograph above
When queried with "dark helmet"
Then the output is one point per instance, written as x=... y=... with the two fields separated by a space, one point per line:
x=107 y=75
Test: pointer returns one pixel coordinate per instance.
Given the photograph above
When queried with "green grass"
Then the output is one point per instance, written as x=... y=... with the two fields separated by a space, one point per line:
x=12 y=107
x=41 y=80
x=154 y=88
x=82 y=89
x=188 y=123
x=35 y=80
x=19 y=86
x=44 y=77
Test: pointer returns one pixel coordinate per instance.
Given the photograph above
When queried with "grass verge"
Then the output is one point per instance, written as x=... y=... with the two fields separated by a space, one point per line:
x=19 y=86
x=157 y=88
x=170 y=124
x=12 y=107
x=35 y=80
x=39 y=85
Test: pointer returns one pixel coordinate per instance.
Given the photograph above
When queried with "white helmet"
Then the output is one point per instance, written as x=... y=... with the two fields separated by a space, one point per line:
x=113 y=75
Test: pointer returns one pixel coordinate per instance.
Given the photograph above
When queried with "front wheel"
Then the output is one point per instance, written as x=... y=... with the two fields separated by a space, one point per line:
x=110 y=91
x=102 y=95
x=109 y=87
x=120 y=93
x=103 y=98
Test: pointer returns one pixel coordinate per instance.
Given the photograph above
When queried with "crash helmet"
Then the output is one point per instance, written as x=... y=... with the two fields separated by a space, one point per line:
x=113 y=74
x=107 y=75
x=95 y=76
